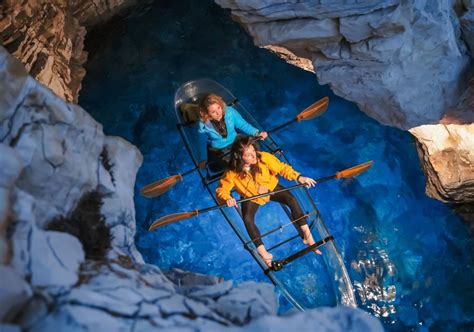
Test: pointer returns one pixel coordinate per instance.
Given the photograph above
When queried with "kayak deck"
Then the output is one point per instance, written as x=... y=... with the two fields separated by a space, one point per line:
x=296 y=281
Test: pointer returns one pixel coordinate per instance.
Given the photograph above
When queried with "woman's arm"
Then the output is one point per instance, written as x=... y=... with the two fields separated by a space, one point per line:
x=276 y=166
x=226 y=184
x=287 y=171
x=240 y=122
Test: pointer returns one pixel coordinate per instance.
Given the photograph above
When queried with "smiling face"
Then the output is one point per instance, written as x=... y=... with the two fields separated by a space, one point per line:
x=249 y=155
x=215 y=112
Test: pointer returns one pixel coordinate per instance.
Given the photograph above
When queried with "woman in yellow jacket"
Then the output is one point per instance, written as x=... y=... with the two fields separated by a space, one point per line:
x=251 y=173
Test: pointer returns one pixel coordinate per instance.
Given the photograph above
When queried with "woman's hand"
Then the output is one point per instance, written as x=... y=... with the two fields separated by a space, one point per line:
x=231 y=202
x=262 y=135
x=309 y=182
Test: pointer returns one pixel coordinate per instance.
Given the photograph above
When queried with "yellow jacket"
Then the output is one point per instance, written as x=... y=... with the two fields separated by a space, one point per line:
x=247 y=186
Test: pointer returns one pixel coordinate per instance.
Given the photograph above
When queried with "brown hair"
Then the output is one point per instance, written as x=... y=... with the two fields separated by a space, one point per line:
x=207 y=101
x=236 y=162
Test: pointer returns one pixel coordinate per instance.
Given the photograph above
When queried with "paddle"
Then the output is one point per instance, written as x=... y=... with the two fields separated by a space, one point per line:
x=171 y=218
x=159 y=187
x=309 y=113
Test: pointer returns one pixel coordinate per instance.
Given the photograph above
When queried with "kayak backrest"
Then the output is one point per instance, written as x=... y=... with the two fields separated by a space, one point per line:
x=189 y=112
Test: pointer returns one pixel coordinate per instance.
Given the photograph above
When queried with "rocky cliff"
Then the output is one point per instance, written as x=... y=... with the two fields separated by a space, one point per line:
x=404 y=63
x=48 y=37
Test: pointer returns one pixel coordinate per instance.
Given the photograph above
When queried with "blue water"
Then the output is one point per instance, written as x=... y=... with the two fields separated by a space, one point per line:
x=410 y=257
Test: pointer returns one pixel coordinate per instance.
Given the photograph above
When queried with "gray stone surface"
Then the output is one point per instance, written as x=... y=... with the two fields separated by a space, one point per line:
x=246 y=302
x=10 y=168
x=109 y=299
x=56 y=259
x=391 y=58
x=14 y=292
x=321 y=320
x=388 y=50
x=404 y=63
x=447 y=157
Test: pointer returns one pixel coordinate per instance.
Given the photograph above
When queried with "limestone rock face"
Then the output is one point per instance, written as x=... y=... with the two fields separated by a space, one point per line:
x=92 y=13
x=447 y=158
x=400 y=62
x=123 y=295
x=404 y=63
x=48 y=40
x=446 y=153
x=48 y=37
x=14 y=292
x=51 y=156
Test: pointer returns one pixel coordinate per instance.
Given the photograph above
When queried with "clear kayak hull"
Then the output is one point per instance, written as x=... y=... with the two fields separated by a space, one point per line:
x=309 y=280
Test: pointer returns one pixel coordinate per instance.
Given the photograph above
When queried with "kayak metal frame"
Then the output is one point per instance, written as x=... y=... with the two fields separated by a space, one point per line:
x=277 y=229
x=345 y=296
x=253 y=253
x=279 y=264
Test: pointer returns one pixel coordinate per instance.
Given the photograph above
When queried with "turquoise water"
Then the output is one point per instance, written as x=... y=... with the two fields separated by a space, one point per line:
x=410 y=258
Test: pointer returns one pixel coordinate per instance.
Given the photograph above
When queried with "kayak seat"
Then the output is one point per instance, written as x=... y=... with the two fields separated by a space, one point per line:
x=189 y=112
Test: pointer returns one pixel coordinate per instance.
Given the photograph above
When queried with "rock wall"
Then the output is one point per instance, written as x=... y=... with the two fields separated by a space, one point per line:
x=447 y=158
x=93 y=13
x=48 y=37
x=404 y=63
x=399 y=61
x=52 y=154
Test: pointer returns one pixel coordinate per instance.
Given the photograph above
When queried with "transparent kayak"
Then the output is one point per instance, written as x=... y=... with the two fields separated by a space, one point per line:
x=308 y=280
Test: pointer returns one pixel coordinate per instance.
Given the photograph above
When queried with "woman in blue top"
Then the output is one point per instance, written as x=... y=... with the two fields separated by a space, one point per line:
x=217 y=131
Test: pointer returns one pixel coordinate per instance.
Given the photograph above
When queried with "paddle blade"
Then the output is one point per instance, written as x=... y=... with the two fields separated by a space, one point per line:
x=353 y=171
x=171 y=218
x=314 y=110
x=160 y=187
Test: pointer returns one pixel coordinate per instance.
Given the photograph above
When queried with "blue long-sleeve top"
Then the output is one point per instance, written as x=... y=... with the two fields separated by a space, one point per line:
x=207 y=135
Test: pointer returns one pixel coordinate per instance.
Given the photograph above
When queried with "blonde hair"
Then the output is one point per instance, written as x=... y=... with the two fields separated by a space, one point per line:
x=207 y=101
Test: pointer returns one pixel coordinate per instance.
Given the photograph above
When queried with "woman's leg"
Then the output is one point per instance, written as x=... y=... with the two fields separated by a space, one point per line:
x=249 y=209
x=289 y=200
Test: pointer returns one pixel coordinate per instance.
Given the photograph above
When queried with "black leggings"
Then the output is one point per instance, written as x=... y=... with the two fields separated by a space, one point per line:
x=249 y=209
x=217 y=159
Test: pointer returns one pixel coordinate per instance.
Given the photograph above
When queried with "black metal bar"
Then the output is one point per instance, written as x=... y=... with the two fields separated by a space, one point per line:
x=326 y=178
x=214 y=178
x=277 y=229
x=282 y=126
x=190 y=171
x=279 y=264
x=307 y=250
x=310 y=225
x=188 y=124
x=283 y=242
